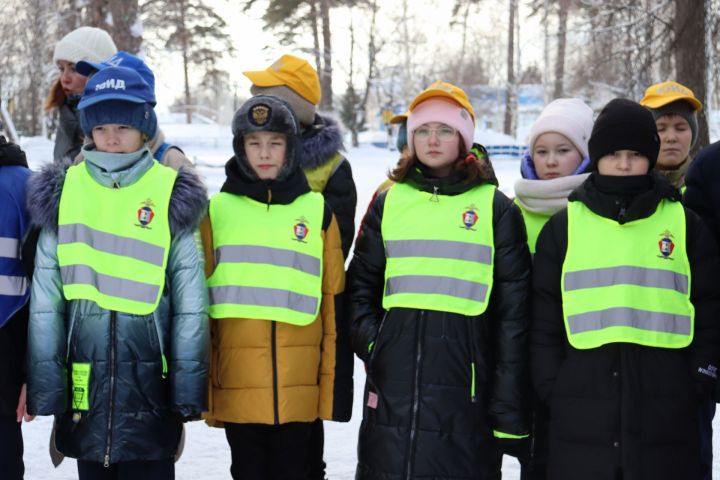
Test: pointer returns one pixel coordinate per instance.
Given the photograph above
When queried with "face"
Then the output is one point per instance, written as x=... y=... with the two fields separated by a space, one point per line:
x=437 y=146
x=622 y=163
x=72 y=82
x=265 y=152
x=555 y=156
x=675 y=138
x=115 y=138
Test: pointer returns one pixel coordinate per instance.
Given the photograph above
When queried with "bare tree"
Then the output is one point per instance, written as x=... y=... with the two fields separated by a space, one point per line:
x=691 y=57
x=511 y=87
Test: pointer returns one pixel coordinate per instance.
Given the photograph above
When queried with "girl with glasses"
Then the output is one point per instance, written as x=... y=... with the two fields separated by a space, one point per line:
x=438 y=290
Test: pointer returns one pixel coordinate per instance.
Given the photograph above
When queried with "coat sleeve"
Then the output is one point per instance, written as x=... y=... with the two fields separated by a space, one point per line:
x=189 y=360
x=336 y=360
x=702 y=194
x=47 y=369
x=510 y=315
x=704 y=351
x=341 y=195
x=548 y=341
x=366 y=278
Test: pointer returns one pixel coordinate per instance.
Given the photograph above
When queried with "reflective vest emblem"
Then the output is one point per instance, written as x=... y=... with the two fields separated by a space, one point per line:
x=666 y=245
x=470 y=217
x=301 y=230
x=145 y=214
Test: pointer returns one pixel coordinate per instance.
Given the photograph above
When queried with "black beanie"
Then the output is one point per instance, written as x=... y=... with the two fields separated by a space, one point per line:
x=624 y=125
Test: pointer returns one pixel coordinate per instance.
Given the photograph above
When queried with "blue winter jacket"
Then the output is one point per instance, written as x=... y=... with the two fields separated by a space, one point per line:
x=14 y=285
x=135 y=410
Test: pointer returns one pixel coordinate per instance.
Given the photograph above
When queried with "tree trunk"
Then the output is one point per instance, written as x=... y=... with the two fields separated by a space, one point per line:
x=125 y=28
x=185 y=56
x=691 y=58
x=326 y=102
x=562 y=42
x=96 y=13
x=509 y=127
x=316 y=35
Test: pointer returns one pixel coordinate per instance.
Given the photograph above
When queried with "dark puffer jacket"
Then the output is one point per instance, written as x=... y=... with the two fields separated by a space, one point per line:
x=69 y=137
x=426 y=424
x=329 y=173
x=135 y=412
x=623 y=410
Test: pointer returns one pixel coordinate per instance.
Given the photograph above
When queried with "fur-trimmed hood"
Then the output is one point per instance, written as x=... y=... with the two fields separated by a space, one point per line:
x=321 y=141
x=188 y=201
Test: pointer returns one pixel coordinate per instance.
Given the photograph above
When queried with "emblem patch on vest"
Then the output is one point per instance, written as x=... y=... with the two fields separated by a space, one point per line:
x=145 y=214
x=300 y=230
x=666 y=245
x=469 y=217
x=259 y=115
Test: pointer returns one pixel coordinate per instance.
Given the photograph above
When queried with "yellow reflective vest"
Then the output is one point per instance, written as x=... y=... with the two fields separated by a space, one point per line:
x=439 y=249
x=269 y=261
x=627 y=283
x=113 y=243
x=533 y=224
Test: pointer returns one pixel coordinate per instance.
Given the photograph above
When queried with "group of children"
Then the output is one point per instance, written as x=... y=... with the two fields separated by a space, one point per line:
x=573 y=327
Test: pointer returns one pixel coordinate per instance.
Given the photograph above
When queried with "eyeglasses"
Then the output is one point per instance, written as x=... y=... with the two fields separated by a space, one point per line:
x=443 y=133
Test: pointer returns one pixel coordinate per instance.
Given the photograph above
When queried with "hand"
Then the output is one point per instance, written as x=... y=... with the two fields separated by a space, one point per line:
x=21 y=410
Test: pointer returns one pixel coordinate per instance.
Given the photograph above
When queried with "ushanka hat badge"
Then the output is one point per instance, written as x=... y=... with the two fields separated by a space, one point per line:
x=260 y=115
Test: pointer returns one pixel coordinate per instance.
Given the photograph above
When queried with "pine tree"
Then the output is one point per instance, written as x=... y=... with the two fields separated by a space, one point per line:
x=191 y=28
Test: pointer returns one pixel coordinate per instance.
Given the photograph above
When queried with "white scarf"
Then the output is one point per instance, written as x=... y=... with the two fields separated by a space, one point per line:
x=546 y=197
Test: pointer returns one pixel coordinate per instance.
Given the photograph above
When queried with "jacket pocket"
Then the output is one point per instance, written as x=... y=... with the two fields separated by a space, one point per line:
x=374 y=346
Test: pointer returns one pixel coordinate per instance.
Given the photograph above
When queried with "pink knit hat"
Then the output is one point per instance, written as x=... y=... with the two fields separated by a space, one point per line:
x=441 y=110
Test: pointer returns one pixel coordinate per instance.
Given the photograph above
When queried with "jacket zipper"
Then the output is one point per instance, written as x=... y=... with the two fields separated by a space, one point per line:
x=473 y=373
x=273 y=343
x=416 y=396
x=113 y=321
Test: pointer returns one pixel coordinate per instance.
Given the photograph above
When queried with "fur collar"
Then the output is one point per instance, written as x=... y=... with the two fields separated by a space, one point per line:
x=188 y=201
x=321 y=141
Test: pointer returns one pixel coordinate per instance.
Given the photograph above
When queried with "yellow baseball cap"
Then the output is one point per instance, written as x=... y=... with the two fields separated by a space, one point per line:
x=661 y=94
x=400 y=117
x=448 y=90
x=292 y=72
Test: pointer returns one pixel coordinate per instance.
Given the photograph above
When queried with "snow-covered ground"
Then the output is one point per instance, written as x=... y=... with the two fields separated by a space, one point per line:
x=206 y=454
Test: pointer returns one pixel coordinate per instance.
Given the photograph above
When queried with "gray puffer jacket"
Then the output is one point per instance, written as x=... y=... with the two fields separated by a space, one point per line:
x=135 y=410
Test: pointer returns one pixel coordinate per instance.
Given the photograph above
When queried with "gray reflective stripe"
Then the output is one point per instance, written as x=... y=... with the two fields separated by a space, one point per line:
x=109 y=285
x=263 y=297
x=471 y=252
x=109 y=243
x=273 y=256
x=438 y=285
x=626 y=275
x=9 y=247
x=630 y=317
x=11 y=285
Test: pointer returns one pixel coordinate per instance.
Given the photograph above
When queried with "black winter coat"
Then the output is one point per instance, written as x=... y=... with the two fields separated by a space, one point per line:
x=321 y=142
x=425 y=424
x=623 y=410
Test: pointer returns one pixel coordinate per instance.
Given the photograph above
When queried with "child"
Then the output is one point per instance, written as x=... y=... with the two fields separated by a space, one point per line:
x=624 y=341
x=438 y=286
x=14 y=295
x=675 y=108
x=118 y=337
x=555 y=162
x=84 y=43
x=275 y=268
x=163 y=152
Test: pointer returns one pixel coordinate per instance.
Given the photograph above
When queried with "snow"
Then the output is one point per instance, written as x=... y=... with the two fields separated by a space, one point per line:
x=206 y=453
